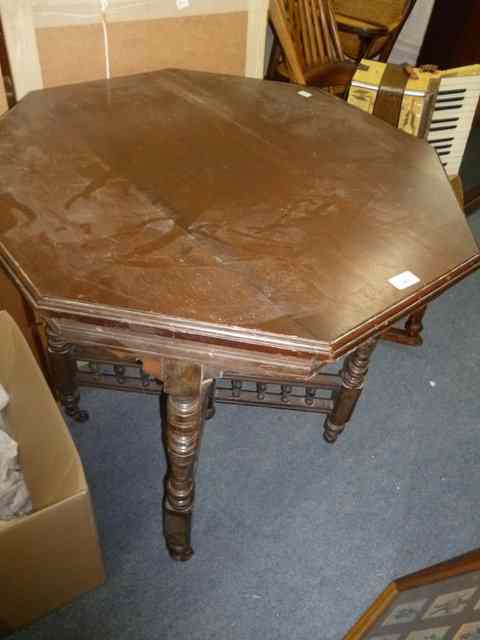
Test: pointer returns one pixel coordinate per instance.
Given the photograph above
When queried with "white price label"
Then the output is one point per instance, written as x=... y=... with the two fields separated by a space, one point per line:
x=183 y=4
x=404 y=280
x=305 y=94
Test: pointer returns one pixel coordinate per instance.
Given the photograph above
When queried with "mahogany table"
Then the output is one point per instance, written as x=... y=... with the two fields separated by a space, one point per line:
x=202 y=227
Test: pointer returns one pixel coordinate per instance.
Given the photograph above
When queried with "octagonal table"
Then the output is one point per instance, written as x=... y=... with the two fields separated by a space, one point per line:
x=202 y=226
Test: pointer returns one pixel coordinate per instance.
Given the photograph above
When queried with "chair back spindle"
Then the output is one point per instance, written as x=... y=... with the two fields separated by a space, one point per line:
x=308 y=33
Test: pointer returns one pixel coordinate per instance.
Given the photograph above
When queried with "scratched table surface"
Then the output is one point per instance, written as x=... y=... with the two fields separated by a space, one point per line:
x=223 y=201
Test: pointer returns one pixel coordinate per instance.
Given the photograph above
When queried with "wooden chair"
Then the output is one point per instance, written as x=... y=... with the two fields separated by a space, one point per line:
x=307 y=49
x=370 y=28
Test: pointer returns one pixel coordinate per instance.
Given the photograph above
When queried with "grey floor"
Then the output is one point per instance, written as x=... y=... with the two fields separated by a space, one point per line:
x=293 y=538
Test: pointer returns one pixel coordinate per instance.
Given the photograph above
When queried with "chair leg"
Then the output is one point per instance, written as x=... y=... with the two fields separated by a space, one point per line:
x=365 y=47
x=386 y=50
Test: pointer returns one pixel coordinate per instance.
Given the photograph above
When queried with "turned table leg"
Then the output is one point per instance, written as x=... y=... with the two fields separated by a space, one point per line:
x=211 y=404
x=63 y=371
x=185 y=414
x=353 y=376
x=414 y=326
x=411 y=333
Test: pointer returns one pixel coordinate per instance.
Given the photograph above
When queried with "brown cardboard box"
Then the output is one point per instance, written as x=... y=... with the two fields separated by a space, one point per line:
x=50 y=557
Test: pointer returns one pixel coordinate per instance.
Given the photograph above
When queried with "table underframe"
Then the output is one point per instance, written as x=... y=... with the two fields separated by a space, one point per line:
x=188 y=393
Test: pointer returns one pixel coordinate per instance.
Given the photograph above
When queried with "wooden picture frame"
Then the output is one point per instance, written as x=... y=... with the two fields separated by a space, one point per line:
x=441 y=602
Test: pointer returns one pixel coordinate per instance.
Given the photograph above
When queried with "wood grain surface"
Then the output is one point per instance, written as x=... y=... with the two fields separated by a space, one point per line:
x=226 y=207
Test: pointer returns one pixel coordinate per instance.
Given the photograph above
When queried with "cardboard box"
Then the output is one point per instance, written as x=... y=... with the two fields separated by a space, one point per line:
x=50 y=557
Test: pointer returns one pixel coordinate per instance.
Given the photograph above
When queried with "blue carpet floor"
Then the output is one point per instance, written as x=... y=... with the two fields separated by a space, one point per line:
x=293 y=538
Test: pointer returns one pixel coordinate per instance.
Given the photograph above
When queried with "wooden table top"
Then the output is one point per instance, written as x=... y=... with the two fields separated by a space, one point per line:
x=220 y=206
